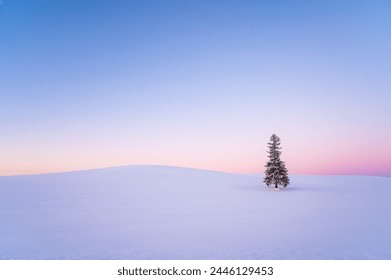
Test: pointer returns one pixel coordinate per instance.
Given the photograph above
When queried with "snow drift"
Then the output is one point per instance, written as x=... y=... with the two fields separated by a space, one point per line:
x=155 y=212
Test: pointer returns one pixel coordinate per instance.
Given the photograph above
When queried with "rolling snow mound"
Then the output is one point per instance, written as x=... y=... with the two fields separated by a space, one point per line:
x=157 y=212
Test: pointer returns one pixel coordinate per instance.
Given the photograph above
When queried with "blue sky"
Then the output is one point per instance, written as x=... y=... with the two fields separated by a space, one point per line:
x=204 y=84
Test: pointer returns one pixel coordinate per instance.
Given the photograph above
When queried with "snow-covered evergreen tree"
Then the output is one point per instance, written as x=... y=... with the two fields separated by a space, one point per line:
x=276 y=172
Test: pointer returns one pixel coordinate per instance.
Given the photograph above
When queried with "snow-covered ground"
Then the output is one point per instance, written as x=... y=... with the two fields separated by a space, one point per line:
x=155 y=212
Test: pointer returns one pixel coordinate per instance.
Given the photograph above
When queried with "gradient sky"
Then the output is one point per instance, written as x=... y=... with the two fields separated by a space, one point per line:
x=204 y=84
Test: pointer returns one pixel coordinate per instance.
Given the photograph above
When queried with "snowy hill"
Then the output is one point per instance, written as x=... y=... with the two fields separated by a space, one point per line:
x=155 y=212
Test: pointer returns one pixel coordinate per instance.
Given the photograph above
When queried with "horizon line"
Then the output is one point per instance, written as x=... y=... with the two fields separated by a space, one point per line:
x=184 y=167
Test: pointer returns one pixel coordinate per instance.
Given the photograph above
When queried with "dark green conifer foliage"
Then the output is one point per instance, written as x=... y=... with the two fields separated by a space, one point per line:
x=276 y=173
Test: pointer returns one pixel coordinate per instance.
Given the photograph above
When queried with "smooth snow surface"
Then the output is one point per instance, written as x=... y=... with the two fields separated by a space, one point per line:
x=155 y=212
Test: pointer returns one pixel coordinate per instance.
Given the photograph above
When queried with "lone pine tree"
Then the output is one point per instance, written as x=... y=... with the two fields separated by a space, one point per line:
x=276 y=173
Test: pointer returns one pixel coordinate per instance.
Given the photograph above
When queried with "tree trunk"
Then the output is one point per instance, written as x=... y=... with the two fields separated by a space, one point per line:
x=276 y=186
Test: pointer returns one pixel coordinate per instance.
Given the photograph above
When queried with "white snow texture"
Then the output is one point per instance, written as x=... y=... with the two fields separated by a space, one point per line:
x=157 y=212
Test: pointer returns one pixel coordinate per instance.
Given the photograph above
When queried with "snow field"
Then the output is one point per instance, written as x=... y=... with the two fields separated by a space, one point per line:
x=157 y=212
